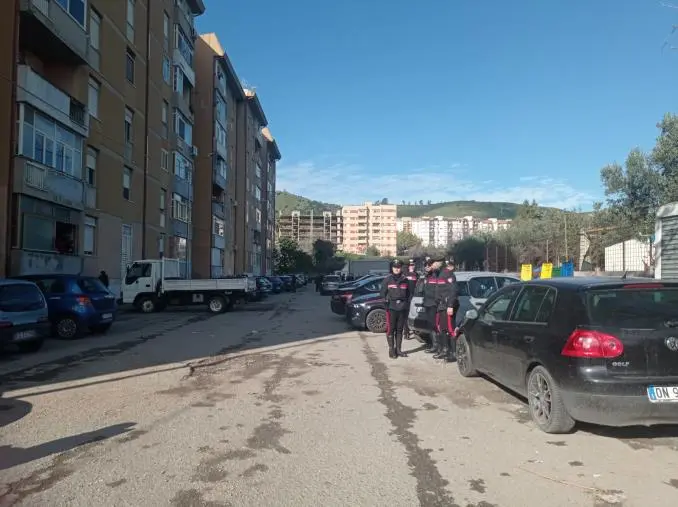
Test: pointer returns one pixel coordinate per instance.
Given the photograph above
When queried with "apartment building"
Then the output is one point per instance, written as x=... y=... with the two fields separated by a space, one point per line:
x=306 y=228
x=257 y=154
x=440 y=231
x=103 y=139
x=369 y=225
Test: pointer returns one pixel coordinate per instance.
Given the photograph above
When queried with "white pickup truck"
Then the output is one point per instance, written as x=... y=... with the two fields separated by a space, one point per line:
x=153 y=284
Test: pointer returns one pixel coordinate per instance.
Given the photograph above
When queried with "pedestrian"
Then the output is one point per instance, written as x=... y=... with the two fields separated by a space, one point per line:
x=412 y=276
x=448 y=304
x=103 y=278
x=318 y=283
x=430 y=304
x=294 y=282
x=396 y=291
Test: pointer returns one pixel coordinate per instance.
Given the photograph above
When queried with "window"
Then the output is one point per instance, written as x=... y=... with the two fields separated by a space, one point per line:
x=178 y=83
x=165 y=108
x=183 y=128
x=217 y=226
x=221 y=136
x=91 y=285
x=497 y=309
x=257 y=214
x=91 y=166
x=182 y=167
x=258 y=170
x=221 y=110
x=166 y=70
x=129 y=126
x=94 y=37
x=129 y=68
x=530 y=302
x=481 y=287
x=221 y=77
x=163 y=193
x=76 y=8
x=503 y=281
x=126 y=183
x=164 y=160
x=257 y=192
x=47 y=234
x=181 y=208
x=89 y=237
x=161 y=245
x=184 y=46
x=50 y=144
x=93 y=98
x=130 y=20
x=20 y=297
x=165 y=29
x=221 y=167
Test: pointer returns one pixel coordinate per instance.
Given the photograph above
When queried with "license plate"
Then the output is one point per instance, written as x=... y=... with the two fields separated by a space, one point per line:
x=107 y=316
x=662 y=394
x=23 y=335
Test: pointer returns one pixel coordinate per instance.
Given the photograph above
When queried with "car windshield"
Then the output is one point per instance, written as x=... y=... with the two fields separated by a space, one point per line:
x=20 y=298
x=91 y=285
x=331 y=279
x=641 y=308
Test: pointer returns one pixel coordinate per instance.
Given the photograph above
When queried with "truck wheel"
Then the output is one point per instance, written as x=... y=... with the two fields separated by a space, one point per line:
x=147 y=305
x=216 y=304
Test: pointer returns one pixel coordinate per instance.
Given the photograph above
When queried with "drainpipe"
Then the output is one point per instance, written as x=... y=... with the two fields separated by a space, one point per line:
x=146 y=126
x=12 y=142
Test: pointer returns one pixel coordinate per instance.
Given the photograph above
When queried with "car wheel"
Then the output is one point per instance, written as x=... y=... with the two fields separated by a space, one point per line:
x=464 y=361
x=102 y=328
x=30 y=347
x=147 y=305
x=375 y=321
x=216 y=304
x=68 y=328
x=546 y=403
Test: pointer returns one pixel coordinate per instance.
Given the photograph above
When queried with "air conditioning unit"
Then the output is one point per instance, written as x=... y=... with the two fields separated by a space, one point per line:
x=194 y=151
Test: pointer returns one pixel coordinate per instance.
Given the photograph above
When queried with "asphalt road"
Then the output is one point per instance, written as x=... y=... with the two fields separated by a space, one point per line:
x=284 y=405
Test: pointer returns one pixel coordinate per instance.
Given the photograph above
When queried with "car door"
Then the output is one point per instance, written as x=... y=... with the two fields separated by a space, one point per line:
x=524 y=333
x=489 y=323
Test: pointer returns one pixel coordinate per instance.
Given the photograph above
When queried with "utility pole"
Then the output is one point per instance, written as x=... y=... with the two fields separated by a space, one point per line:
x=547 y=251
x=567 y=258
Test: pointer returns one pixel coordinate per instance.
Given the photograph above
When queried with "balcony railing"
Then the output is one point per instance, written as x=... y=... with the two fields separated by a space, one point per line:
x=218 y=209
x=52 y=185
x=44 y=96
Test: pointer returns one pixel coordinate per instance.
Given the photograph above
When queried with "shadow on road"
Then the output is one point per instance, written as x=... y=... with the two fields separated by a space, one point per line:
x=11 y=410
x=13 y=456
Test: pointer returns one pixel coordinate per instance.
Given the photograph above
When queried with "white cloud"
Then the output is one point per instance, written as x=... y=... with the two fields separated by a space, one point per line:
x=352 y=184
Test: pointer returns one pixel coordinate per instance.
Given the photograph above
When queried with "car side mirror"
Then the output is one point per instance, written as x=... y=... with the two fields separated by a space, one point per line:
x=471 y=314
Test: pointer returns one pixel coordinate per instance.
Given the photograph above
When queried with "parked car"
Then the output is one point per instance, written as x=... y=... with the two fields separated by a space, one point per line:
x=276 y=284
x=329 y=285
x=344 y=295
x=76 y=304
x=264 y=288
x=24 y=318
x=474 y=289
x=367 y=311
x=596 y=350
x=287 y=282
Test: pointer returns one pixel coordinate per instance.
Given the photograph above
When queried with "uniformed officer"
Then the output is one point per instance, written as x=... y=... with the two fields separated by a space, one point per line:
x=430 y=302
x=447 y=306
x=412 y=276
x=396 y=291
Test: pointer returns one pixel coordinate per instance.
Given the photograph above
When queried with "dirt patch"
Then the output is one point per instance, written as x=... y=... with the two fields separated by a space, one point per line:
x=576 y=464
x=430 y=406
x=194 y=498
x=312 y=392
x=254 y=469
x=477 y=485
x=559 y=443
x=132 y=435
x=117 y=483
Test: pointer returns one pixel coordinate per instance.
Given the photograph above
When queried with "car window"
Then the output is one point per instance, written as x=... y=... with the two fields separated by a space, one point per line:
x=462 y=287
x=497 y=309
x=481 y=287
x=630 y=307
x=22 y=297
x=51 y=285
x=91 y=285
x=373 y=286
x=503 y=281
x=534 y=304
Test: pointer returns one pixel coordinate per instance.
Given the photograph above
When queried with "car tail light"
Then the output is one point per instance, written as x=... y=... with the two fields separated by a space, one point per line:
x=84 y=301
x=4 y=324
x=347 y=297
x=592 y=344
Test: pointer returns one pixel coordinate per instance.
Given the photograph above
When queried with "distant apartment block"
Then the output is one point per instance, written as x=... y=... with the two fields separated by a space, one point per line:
x=306 y=228
x=369 y=225
x=440 y=231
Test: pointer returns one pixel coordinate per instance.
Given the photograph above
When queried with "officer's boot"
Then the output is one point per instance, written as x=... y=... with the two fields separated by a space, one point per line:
x=433 y=346
x=443 y=347
x=391 y=346
x=399 y=346
x=452 y=354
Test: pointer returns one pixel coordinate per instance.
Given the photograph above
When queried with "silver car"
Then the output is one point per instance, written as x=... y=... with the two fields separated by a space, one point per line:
x=474 y=289
x=329 y=285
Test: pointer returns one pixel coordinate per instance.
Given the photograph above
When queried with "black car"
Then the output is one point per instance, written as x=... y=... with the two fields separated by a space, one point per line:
x=347 y=293
x=367 y=312
x=596 y=350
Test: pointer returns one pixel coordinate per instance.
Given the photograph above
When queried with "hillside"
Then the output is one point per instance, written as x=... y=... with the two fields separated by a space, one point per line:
x=286 y=203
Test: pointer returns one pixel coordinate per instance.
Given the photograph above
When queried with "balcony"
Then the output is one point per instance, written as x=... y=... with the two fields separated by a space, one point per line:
x=221 y=84
x=182 y=146
x=183 y=187
x=25 y=262
x=218 y=209
x=178 y=59
x=46 y=183
x=179 y=102
x=48 y=30
x=218 y=241
x=185 y=20
x=218 y=179
x=35 y=90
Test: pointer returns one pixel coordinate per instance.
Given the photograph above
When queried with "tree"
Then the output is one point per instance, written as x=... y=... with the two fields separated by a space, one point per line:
x=325 y=258
x=469 y=252
x=384 y=200
x=372 y=251
x=289 y=258
x=428 y=202
x=405 y=241
x=665 y=156
x=421 y=202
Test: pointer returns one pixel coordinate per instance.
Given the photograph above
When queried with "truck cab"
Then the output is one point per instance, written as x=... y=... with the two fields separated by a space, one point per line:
x=144 y=278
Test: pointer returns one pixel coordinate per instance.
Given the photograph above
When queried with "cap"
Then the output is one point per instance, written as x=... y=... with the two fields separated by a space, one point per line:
x=411 y=262
x=438 y=258
x=449 y=260
x=397 y=263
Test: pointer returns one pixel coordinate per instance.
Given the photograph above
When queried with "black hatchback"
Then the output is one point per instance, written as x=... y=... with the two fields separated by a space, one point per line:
x=596 y=350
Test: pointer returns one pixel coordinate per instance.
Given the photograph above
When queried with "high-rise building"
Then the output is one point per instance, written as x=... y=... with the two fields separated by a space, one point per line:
x=306 y=228
x=441 y=231
x=369 y=225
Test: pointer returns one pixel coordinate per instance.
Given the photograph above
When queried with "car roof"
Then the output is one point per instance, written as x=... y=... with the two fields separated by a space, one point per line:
x=15 y=281
x=590 y=282
x=53 y=275
x=464 y=276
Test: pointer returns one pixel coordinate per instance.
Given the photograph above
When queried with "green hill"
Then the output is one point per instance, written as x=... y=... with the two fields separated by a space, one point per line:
x=286 y=203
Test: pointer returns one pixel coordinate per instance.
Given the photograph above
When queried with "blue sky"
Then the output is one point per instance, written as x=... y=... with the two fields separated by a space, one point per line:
x=453 y=99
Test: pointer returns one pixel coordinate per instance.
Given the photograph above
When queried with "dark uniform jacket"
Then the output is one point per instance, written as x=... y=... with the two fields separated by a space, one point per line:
x=397 y=291
x=447 y=292
x=413 y=278
x=430 y=288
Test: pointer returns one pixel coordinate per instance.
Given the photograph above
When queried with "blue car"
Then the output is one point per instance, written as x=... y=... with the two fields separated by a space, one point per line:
x=23 y=316
x=77 y=304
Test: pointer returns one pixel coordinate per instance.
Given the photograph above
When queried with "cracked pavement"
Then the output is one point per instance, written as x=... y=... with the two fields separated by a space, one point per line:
x=285 y=405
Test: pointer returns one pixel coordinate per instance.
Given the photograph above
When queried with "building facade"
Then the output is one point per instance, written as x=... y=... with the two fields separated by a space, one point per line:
x=440 y=231
x=369 y=225
x=306 y=228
